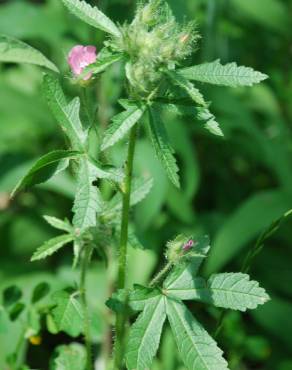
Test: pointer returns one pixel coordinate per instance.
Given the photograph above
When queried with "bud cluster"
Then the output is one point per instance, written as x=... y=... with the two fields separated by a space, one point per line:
x=154 y=41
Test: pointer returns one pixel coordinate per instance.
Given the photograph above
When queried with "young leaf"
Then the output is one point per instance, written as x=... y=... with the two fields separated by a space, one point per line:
x=145 y=335
x=15 y=51
x=182 y=276
x=67 y=115
x=197 y=348
x=231 y=290
x=188 y=87
x=11 y=295
x=225 y=75
x=51 y=246
x=92 y=15
x=44 y=168
x=100 y=65
x=88 y=199
x=121 y=124
x=39 y=292
x=68 y=314
x=58 y=224
x=162 y=147
x=70 y=357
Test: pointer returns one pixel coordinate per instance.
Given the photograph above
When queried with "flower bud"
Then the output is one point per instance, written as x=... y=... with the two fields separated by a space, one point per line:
x=80 y=57
x=178 y=247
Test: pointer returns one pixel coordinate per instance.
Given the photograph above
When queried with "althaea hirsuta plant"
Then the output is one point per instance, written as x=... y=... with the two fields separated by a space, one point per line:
x=152 y=51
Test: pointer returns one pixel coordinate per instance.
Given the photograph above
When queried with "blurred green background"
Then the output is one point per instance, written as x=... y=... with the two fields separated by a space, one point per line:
x=232 y=188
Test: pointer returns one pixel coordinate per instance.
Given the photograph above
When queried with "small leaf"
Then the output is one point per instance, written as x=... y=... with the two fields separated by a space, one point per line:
x=15 y=51
x=39 y=292
x=121 y=125
x=100 y=65
x=44 y=168
x=70 y=357
x=197 y=348
x=225 y=75
x=59 y=224
x=11 y=295
x=88 y=201
x=162 y=147
x=145 y=335
x=51 y=246
x=68 y=314
x=16 y=311
x=210 y=121
x=66 y=114
x=92 y=16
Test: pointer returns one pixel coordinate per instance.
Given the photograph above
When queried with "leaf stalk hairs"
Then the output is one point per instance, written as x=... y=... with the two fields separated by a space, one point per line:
x=151 y=50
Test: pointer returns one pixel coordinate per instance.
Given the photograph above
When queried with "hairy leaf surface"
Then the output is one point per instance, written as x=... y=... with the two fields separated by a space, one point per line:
x=70 y=357
x=51 y=246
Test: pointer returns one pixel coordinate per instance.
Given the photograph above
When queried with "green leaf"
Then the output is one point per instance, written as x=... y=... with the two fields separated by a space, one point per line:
x=197 y=348
x=92 y=15
x=68 y=314
x=188 y=87
x=181 y=277
x=121 y=124
x=70 y=357
x=16 y=311
x=145 y=335
x=67 y=115
x=40 y=291
x=225 y=75
x=51 y=246
x=162 y=147
x=15 y=51
x=88 y=201
x=44 y=168
x=59 y=224
x=227 y=290
x=11 y=295
x=100 y=65
x=210 y=121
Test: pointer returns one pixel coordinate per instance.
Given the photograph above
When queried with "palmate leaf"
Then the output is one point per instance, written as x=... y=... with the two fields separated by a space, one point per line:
x=45 y=167
x=197 y=348
x=88 y=199
x=70 y=357
x=121 y=124
x=145 y=335
x=162 y=146
x=226 y=75
x=15 y=51
x=67 y=115
x=51 y=246
x=68 y=313
x=92 y=16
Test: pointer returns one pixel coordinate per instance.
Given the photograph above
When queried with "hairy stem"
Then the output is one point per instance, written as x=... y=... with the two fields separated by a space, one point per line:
x=88 y=344
x=122 y=317
x=161 y=274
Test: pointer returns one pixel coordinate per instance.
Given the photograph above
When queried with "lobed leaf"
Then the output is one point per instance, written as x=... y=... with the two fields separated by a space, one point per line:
x=224 y=75
x=121 y=124
x=162 y=147
x=51 y=246
x=92 y=16
x=145 y=335
x=197 y=348
x=16 y=51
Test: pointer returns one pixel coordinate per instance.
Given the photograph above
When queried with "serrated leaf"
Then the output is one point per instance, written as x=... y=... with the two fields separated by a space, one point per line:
x=100 y=65
x=225 y=75
x=188 y=87
x=70 y=357
x=145 y=335
x=58 y=224
x=183 y=274
x=197 y=348
x=67 y=115
x=44 y=168
x=210 y=121
x=227 y=290
x=88 y=200
x=16 y=51
x=92 y=16
x=107 y=172
x=51 y=246
x=121 y=125
x=162 y=147
x=68 y=313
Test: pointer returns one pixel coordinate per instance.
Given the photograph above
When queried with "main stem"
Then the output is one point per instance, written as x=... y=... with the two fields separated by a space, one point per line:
x=122 y=317
x=85 y=261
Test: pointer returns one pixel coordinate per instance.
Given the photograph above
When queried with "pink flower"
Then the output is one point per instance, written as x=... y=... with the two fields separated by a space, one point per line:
x=80 y=57
x=188 y=245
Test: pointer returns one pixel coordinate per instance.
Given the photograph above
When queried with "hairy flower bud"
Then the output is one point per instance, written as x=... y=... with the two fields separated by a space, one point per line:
x=178 y=247
x=80 y=57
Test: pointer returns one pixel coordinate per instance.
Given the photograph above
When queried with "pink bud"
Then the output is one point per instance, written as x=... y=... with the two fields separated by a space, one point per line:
x=188 y=245
x=80 y=57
